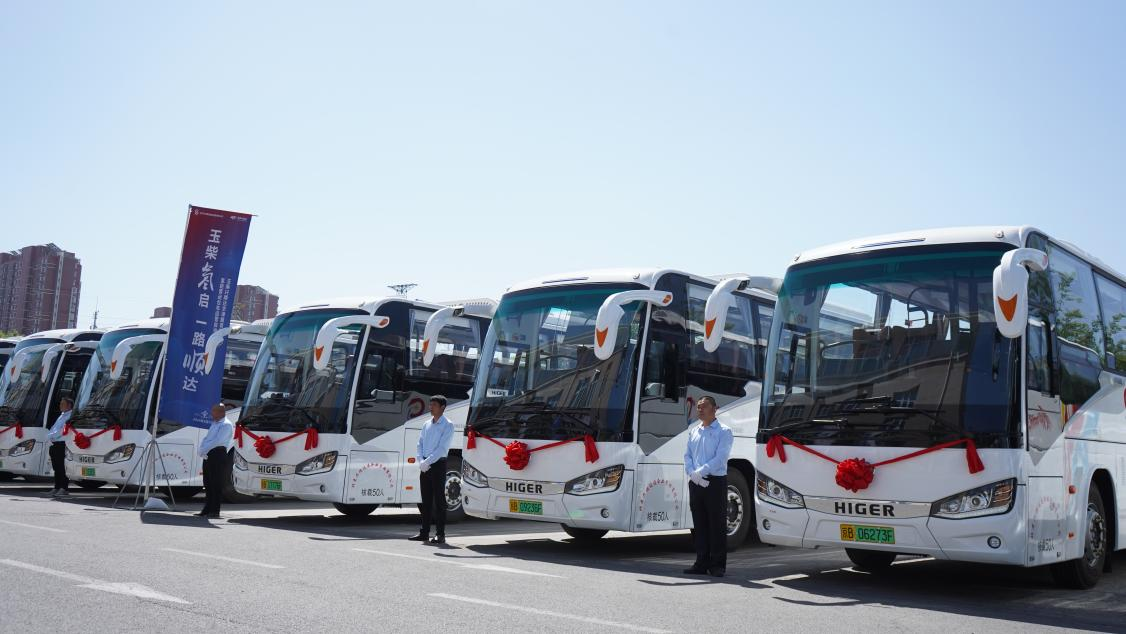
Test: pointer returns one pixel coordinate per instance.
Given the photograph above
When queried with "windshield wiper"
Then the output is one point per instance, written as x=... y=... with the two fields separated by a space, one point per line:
x=537 y=407
x=290 y=408
x=92 y=412
x=805 y=422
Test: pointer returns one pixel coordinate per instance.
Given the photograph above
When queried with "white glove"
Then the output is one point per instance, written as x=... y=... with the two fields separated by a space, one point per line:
x=423 y=466
x=698 y=479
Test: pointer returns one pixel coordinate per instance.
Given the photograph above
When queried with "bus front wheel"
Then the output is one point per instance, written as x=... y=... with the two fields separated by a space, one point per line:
x=870 y=560
x=584 y=535
x=740 y=509
x=1084 y=573
x=7 y=477
x=455 y=511
x=355 y=510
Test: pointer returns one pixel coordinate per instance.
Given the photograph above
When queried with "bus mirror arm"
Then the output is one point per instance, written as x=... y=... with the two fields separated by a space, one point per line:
x=212 y=347
x=331 y=329
x=1010 y=289
x=440 y=319
x=720 y=300
x=122 y=349
x=610 y=315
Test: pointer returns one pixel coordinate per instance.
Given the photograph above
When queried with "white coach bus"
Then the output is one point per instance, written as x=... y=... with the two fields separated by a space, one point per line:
x=334 y=407
x=7 y=347
x=116 y=411
x=586 y=390
x=46 y=366
x=977 y=413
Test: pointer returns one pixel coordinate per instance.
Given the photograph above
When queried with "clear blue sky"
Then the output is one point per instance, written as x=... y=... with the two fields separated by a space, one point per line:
x=467 y=145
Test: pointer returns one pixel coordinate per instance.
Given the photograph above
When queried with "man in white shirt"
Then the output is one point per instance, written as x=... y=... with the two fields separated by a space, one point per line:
x=213 y=450
x=705 y=463
x=433 y=447
x=58 y=448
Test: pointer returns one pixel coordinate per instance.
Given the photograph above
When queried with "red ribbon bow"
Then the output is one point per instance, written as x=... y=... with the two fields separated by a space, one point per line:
x=856 y=474
x=266 y=446
x=518 y=454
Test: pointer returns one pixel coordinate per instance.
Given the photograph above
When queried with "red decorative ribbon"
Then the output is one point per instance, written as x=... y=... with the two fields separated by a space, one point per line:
x=266 y=446
x=856 y=474
x=18 y=427
x=82 y=441
x=517 y=454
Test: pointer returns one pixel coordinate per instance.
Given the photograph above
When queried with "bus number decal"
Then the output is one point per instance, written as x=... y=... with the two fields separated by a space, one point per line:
x=659 y=503
x=376 y=470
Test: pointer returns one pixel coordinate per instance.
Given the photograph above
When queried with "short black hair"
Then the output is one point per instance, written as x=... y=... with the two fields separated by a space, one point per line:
x=439 y=399
x=67 y=400
x=708 y=399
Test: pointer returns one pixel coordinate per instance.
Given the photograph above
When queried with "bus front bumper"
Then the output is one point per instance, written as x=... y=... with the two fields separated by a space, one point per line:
x=599 y=511
x=279 y=480
x=998 y=539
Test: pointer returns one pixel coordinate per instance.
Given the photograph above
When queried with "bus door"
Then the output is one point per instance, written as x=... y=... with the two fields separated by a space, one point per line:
x=661 y=496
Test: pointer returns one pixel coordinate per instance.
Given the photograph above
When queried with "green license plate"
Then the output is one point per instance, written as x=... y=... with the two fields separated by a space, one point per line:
x=88 y=472
x=271 y=485
x=869 y=534
x=528 y=507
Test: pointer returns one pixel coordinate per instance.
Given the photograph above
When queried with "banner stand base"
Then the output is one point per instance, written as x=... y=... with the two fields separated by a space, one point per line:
x=148 y=474
x=154 y=504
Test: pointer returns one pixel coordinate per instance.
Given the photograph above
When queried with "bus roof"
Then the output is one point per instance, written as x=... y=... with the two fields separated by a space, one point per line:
x=1003 y=234
x=645 y=276
x=161 y=323
x=66 y=334
x=370 y=305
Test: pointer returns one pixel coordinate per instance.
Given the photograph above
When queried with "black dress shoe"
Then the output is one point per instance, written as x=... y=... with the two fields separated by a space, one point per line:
x=717 y=572
x=696 y=570
x=203 y=514
x=421 y=537
x=439 y=539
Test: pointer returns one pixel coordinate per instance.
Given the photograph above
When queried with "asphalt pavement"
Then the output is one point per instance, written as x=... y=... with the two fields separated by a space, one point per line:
x=81 y=565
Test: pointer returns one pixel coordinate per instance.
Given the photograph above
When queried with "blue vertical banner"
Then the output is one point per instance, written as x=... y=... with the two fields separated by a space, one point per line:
x=205 y=292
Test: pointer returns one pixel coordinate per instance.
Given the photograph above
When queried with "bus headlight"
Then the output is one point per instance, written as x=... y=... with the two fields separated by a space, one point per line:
x=774 y=492
x=121 y=454
x=601 y=481
x=240 y=462
x=991 y=499
x=473 y=476
x=23 y=448
x=68 y=455
x=317 y=464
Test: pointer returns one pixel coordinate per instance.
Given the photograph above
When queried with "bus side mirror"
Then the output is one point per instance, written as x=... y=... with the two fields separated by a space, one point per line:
x=122 y=349
x=48 y=359
x=331 y=329
x=610 y=315
x=715 y=310
x=212 y=346
x=1010 y=289
x=434 y=325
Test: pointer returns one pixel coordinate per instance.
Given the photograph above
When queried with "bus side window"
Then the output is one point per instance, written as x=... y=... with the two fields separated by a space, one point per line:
x=1039 y=359
x=377 y=379
x=764 y=314
x=1112 y=299
x=1078 y=326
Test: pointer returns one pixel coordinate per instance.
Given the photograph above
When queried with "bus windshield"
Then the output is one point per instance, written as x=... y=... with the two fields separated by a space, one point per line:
x=103 y=401
x=286 y=392
x=894 y=350
x=539 y=377
x=22 y=398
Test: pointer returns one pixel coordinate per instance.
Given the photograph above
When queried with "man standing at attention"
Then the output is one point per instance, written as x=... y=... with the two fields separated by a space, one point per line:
x=58 y=448
x=213 y=450
x=705 y=462
x=433 y=446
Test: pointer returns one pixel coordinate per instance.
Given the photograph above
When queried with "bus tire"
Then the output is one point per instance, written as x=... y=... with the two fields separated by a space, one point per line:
x=455 y=510
x=870 y=560
x=230 y=494
x=740 y=509
x=7 y=477
x=584 y=535
x=89 y=485
x=1084 y=572
x=355 y=510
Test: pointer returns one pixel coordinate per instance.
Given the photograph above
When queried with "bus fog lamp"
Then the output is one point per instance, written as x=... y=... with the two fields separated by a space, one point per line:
x=317 y=464
x=994 y=542
x=601 y=481
x=605 y=513
x=991 y=499
x=774 y=492
x=766 y=525
x=240 y=462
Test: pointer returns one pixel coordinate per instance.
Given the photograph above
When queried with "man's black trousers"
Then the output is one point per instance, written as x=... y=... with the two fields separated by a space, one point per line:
x=213 y=476
x=709 y=520
x=58 y=463
x=433 y=507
